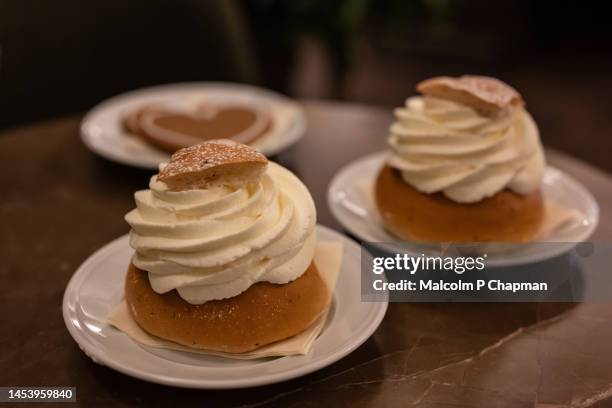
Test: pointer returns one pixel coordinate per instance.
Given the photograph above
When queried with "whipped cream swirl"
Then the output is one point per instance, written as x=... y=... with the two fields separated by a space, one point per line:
x=441 y=146
x=215 y=243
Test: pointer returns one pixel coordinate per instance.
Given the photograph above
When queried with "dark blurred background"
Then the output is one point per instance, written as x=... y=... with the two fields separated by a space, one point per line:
x=63 y=56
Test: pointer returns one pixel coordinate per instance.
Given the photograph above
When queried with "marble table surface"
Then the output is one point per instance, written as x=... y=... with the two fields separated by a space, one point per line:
x=59 y=203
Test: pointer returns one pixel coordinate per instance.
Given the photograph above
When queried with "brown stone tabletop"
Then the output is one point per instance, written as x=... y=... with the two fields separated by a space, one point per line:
x=59 y=203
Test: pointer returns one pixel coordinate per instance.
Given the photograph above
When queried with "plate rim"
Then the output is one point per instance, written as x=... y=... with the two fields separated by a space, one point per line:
x=379 y=311
x=294 y=133
x=334 y=183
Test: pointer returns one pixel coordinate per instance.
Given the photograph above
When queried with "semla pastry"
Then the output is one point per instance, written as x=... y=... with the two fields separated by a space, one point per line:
x=224 y=243
x=466 y=165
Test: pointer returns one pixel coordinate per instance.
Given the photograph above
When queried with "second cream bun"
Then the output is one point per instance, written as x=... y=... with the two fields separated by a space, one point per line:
x=263 y=314
x=416 y=216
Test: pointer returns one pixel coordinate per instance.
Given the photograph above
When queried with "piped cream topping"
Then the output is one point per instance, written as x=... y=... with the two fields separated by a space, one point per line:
x=443 y=146
x=215 y=243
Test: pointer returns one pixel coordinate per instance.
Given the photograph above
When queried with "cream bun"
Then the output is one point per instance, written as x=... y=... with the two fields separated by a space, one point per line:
x=218 y=236
x=466 y=164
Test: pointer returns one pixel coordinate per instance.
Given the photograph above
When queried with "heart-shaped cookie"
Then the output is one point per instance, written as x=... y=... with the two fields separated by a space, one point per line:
x=173 y=129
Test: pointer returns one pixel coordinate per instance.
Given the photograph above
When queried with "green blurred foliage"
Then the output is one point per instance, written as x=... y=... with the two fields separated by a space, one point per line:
x=339 y=23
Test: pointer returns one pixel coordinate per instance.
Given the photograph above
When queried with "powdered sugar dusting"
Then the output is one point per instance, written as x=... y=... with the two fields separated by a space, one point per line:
x=486 y=89
x=207 y=155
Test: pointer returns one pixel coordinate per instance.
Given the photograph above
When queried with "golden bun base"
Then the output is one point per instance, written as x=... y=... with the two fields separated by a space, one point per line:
x=263 y=314
x=416 y=216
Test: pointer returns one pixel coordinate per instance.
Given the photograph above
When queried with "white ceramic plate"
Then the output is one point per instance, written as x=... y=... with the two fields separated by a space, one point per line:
x=351 y=207
x=97 y=286
x=103 y=133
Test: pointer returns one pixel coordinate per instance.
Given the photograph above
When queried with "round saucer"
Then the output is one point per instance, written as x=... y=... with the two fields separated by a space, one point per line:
x=350 y=205
x=97 y=286
x=103 y=133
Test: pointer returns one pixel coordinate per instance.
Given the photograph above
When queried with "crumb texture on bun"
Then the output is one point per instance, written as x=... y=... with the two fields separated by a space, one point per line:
x=485 y=94
x=213 y=163
x=414 y=216
x=263 y=314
